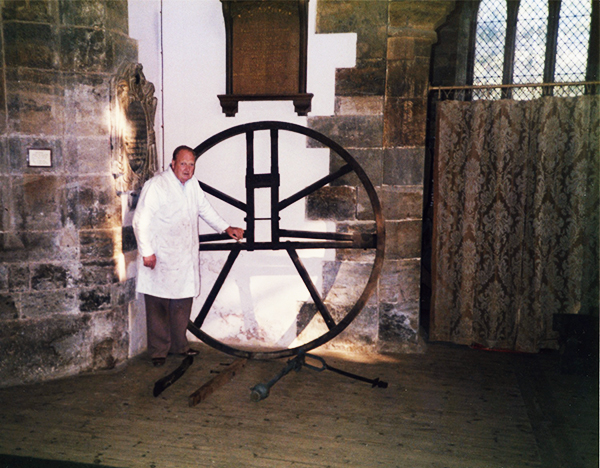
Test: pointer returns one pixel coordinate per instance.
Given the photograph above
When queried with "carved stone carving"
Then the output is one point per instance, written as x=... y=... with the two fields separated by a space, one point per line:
x=132 y=131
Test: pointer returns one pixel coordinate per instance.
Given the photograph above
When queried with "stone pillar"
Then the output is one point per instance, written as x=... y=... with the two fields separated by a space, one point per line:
x=411 y=33
x=63 y=292
x=380 y=117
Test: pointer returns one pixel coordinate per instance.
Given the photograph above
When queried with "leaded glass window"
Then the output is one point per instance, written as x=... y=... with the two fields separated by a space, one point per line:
x=489 y=52
x=528 y=42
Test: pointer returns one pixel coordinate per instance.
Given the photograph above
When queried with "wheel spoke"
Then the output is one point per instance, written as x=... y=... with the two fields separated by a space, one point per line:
x=212 y=295
x=219 y=246
x=315 y=235
x=223 y=196
x=322 y=308
x=342 y=171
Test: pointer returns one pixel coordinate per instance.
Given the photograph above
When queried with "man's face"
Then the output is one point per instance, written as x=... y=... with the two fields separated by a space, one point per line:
x=183 y=166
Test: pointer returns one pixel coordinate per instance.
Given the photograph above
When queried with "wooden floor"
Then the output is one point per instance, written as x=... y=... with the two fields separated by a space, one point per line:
x=452 y=407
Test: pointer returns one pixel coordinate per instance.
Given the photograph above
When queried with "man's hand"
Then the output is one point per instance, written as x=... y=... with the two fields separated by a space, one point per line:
x=235 y=233
x=150 y=261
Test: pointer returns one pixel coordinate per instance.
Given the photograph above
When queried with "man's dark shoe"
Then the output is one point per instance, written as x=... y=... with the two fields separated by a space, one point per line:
x=158 y=361
x=191 y=352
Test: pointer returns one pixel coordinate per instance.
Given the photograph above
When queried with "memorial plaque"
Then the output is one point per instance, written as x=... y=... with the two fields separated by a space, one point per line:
x=266 y=52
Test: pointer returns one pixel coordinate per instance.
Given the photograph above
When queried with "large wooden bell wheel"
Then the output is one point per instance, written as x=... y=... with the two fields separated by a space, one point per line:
x=284 y=239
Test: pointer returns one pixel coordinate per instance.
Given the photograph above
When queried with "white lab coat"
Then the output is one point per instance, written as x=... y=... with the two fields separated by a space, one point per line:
x=166 y=224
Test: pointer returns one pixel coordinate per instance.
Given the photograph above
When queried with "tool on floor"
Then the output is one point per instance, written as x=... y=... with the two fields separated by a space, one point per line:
x=261 y=391
x=217 y=382
x=162 y=384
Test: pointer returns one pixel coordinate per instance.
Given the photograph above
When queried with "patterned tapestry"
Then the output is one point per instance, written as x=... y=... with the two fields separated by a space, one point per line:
x=516 y=219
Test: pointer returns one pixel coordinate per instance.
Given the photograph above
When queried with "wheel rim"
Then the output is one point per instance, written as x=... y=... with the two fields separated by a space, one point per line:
x=326 y=240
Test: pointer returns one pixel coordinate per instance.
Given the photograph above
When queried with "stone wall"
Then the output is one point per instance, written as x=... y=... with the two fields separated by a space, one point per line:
x=380 y=118
x=64 y=293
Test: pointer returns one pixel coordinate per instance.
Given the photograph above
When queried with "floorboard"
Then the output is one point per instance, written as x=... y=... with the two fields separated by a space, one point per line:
x=451 y=407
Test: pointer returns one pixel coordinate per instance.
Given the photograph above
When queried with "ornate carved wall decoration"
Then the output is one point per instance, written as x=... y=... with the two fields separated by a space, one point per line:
x=133 y=138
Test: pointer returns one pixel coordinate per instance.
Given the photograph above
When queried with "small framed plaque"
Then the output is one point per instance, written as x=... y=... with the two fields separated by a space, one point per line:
x=39 y=157
x=266 y=42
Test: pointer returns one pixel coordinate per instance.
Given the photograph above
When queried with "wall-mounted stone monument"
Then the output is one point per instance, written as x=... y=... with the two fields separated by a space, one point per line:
x=133 y=139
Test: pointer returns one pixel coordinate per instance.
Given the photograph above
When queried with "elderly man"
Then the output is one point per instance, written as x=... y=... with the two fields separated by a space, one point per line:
x=166 y=228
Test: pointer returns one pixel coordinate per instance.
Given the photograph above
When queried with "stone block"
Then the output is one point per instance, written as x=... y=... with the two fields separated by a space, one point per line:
x=3 y=277
x=41 y=11
x=53 y=276
x=398 y=325
x=90 y=13
x=349 y=284
x=330 y=272
x=362 y=331
x=408 y=48
x=83 y=50
x=408 y=78
x=364 y=205
x=5 y=202
x=34 y=113
x=37 y=304
x=349 y=131
x=370 y=160
x=332 y=203
x=75 y=80
x=307 y=312
x=123 y=49
x=404 y=166
x=18 y=276
x=35 y=246
x=95 y=299
x=33 y=350
x=397 y=202
x=97 y=205
x=418 y=14
x=2 y=103
x=123 y=292
x=110 y=341
x=72 y=208
x=399 y=282
x=359 y=105
x=368 y=19
x=12 y=248
x=88 y=155
x=97 y=244
x=340 y=16
x=87 y=106
x=99 y=272
x=9 y=306
x=403 y=239
x=356 y=255
x=365 y=80
x=117 y=15
x=401 y=48
x=103 y=354
x=129 y=242
x=34 y=101
x=30 y=45
x=405 y=122
x=28 y=80
x=39 y=202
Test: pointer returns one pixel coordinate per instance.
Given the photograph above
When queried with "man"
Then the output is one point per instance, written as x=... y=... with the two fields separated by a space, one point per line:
x=166 y=228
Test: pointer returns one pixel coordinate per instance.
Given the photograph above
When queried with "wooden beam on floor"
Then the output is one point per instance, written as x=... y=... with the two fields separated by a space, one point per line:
x=217 y=382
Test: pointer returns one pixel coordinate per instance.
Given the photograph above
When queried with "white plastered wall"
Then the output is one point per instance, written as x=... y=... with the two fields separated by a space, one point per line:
x=182 y=49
